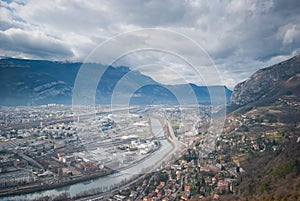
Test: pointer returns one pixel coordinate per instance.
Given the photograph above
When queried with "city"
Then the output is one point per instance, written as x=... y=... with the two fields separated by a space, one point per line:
x=150 y=100
x=46 y=147
x=156 y=152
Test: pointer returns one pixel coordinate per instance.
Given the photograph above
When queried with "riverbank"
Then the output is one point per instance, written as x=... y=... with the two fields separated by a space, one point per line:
x=36 y=187
x=102 y=183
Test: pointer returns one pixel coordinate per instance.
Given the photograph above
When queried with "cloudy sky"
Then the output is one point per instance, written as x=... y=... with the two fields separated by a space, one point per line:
x=239 y=36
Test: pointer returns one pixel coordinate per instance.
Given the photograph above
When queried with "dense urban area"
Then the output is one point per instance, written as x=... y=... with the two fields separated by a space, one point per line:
x=44 y=147
x=48 y=147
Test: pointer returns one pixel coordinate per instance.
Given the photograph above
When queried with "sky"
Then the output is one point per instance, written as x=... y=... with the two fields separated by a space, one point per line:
x=239 y=36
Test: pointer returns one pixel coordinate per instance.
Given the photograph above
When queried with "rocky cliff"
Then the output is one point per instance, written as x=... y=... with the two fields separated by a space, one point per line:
x=265 y=80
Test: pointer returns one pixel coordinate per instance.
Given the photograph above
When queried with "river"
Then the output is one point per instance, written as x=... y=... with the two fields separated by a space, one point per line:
x=107 y=182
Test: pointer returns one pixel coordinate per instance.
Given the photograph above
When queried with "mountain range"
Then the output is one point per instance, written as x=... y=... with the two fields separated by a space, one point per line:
x=35 y=82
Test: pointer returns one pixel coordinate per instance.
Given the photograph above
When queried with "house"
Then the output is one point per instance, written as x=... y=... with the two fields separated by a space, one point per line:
x=209 y=169
x=187 y=188
x=223 y=185
x=162 y=184
x=185 y=197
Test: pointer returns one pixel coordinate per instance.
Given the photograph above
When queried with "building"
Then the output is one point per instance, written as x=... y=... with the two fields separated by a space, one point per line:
x=90 y=166
x=15 y=178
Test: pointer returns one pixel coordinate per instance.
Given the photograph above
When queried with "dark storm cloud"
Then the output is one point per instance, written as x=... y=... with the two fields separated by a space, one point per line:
x=33 y=44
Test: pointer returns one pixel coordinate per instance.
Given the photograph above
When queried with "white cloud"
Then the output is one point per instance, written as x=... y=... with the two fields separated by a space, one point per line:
x=292 y=35
x=240 y=35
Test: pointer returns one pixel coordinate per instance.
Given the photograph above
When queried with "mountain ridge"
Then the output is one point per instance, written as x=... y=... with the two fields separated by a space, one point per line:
x=264 y=80
x=35 y=82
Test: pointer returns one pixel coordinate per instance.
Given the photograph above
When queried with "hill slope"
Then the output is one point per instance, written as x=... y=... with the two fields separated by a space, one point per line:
x=269 y=111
